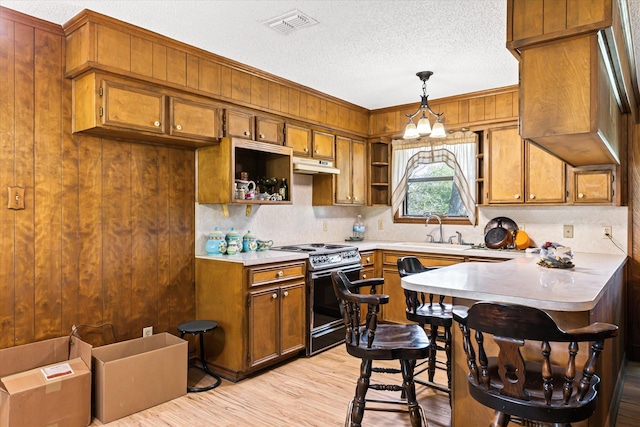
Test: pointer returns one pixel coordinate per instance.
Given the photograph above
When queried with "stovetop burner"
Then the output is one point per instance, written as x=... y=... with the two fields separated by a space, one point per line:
x=319 y=248
x=323 y=255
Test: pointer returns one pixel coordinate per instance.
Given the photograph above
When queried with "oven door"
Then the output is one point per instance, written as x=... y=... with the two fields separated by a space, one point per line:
x=326 y=324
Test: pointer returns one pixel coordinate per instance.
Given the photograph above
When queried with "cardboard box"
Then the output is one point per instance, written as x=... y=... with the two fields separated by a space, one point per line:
x=137 y=374
x=46 y=383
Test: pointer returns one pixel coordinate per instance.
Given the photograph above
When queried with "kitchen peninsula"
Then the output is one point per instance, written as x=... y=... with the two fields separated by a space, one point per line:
x=592 y=291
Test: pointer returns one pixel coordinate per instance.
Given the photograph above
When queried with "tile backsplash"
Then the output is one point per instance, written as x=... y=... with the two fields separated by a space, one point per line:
x=303 y=223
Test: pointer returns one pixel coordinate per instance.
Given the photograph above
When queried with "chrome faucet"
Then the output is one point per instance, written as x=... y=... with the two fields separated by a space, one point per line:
x=429 y=216
x=459 y=236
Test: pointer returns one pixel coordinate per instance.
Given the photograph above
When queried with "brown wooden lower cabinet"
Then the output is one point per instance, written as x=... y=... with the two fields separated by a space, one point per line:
x=395 y=310
x=260 y=311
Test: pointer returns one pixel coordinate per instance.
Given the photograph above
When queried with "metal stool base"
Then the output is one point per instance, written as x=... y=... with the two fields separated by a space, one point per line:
x=199 y=327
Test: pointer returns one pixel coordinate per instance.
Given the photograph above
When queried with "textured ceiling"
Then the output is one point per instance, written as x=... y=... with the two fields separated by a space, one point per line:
x=365 y=52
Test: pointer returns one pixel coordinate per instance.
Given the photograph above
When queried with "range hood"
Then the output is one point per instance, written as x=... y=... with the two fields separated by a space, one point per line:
x=313 y=166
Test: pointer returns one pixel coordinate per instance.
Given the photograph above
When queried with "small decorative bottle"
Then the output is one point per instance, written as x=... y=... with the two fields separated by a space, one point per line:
x=284 y=189
x=358 y=228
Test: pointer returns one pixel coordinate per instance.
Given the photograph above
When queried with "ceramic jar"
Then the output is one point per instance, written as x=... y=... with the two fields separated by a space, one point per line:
x=234 y=242
x=249 y=243
x=216 y=243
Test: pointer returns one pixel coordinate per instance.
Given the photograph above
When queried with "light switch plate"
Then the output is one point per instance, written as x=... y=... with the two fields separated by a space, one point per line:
x=16 y=198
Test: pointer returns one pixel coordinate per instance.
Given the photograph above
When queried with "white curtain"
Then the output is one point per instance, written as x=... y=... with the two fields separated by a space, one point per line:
x=458 y=151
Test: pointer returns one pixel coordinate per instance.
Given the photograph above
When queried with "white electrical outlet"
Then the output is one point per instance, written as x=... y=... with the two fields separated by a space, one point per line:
x=380 y=224
x=606 y=232
x=148 y=331
x=325 y=225
x=567 y=231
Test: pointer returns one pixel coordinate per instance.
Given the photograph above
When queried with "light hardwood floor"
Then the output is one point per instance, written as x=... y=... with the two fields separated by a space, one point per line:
x=314 y=392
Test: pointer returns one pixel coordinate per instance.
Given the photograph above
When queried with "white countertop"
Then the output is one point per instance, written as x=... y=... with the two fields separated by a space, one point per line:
x=257 y=258
x=522 y=281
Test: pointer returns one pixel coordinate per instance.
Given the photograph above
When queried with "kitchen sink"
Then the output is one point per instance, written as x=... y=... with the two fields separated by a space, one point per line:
x=431 y=245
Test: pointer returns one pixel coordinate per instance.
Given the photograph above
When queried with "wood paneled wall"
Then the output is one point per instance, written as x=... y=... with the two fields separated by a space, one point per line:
x=108 y=229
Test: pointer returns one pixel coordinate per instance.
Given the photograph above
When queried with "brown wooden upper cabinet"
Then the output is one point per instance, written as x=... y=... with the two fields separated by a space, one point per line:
x=592 y=185
x=520 y=172
x=115 y=107
x=299 y=139
x=323 y=145
x=243 y=124
x=351 y=182
x=309 y=143
x=349 y=187
x=568 y=103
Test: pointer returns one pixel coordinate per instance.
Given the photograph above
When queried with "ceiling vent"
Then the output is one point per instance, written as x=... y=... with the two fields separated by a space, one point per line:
x=290 y=22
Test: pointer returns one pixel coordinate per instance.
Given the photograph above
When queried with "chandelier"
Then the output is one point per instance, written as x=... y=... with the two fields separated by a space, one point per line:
x=411 y=131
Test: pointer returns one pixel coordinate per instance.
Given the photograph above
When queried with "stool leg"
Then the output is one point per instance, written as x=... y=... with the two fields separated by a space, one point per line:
x=357 y=412
x=204 y=368
x=409 y=388
x=432 y=351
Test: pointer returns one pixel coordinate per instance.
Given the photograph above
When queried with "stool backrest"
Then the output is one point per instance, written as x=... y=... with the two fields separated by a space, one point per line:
x=407 y=266
x=528 y=377
x=350 y=309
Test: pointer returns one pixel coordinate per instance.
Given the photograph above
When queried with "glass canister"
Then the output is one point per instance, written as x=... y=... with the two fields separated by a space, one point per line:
x=234 y=242
x=249 y=243
x=216 y=243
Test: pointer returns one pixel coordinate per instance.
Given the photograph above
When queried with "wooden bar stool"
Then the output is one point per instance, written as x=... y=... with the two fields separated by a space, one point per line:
x=200 y=327
x=530 y=386
x=430 y=316
x=370 y=342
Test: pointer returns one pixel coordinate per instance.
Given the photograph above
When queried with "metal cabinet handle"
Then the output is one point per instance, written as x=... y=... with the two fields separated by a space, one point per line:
x=364 y=276
x=274 y=296
x=580 y=195
x=517 y=196
x=247 y=133
x=286 y=293
x=368 y=259
x=306 y=150
x=280 y=273
x=179 y=127
x=156 y=123
x=532 y=196
x=261 y=136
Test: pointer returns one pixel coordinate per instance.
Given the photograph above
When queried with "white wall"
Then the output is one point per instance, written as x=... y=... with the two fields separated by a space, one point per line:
x=303 y=223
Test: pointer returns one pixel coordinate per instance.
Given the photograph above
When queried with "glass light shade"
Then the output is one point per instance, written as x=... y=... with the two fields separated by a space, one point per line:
x=410 y=131
x=438 y=130
x=424 y=126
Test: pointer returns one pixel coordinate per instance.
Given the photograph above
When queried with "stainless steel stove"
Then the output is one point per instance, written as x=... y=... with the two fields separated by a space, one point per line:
x=325 y=324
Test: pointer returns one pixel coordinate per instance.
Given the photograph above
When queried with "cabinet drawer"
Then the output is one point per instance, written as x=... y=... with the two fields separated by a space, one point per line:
x=367 y=259
x=429 y=260
x=279 y=273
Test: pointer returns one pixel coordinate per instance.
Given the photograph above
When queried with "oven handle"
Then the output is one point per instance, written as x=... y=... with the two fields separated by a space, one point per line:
x=327 y=273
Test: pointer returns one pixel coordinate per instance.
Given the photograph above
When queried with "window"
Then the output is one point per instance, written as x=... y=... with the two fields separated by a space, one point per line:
x=430 y=189
x=435 y=176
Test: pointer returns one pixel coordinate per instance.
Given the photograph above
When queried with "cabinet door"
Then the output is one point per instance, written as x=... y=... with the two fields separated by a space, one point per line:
x=592 y=186
x=132 y=108
x=264 y=325
x=323 y=145
x=358 y=172
x=343 y=162
x=292 y=318
x=194 y=120
x=299 y=139
x=238 y=123
x=269 y=130
x=505 y=166
x=546 y=179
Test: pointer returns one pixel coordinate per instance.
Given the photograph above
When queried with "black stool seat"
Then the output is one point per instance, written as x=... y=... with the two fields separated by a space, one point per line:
x=200 y=327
